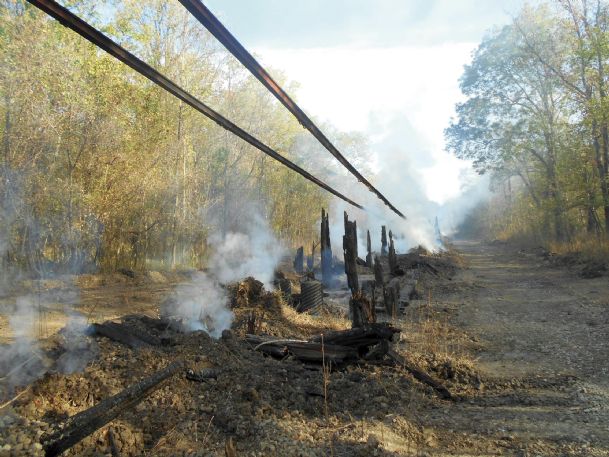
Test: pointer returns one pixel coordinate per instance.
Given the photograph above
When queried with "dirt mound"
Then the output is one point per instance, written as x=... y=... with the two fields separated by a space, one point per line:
x=586 y=267
x=460 y=374
x=266 y=406
x=593 y=270
x=444 y=264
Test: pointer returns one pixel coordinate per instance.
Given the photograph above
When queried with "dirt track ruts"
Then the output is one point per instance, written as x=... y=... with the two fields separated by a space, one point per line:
x=544 y=336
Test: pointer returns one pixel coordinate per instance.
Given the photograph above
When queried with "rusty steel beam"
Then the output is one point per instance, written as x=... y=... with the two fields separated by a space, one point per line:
x=217 y=29
x=70 y=20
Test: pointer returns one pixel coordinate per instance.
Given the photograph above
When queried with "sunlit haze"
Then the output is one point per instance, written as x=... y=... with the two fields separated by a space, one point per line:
x=360 y=67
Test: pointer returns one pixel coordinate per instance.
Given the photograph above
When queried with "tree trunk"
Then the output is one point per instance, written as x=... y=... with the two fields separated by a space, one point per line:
x=369 y=249
x=350 y=254
x=326 y=250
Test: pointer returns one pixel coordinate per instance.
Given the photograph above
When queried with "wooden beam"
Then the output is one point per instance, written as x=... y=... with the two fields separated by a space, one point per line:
x=86 y=422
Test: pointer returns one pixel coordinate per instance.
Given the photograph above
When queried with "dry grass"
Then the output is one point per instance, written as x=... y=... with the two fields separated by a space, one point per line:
x=435 y=345
x=311 y=323
x=428 y=331
x=588 y=247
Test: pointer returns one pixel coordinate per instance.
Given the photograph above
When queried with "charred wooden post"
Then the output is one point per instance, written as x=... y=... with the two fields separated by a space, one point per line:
x=86 y=422
x=311 y=258
x=350 y=254
x=368 y=288
x=378 y=278
x=383 y=240
x=362 y=310
x=299 y=261
x=326 y=250
x=393 y=260
x=369 y=249
x=391 y=295
x=378 y=273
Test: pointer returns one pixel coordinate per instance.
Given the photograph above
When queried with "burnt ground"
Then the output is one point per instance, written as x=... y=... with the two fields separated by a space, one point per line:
x=520 y=342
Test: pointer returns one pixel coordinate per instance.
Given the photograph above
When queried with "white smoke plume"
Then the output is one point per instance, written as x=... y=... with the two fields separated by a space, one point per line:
x=202 y=304
x=399 y=159
x=254 y=252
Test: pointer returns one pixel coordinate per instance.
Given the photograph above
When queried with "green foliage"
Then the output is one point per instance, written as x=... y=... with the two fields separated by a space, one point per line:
x=102 y=168
x=536 y=117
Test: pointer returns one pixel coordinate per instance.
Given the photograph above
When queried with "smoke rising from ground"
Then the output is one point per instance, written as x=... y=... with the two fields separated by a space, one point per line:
x=253 y=252
x=24 y=360
x=203 y=304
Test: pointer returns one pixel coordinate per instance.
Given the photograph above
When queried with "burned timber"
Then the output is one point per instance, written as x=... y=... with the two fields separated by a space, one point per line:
x=158 y=364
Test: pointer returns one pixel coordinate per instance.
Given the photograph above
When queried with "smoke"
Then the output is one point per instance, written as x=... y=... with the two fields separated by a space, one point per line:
x=253 y=252
x=24 y=360
x=202 y=304
x=400 y=164
x=78 y=348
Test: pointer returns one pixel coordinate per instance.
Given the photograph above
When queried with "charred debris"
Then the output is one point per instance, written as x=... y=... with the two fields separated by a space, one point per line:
x=379 y=288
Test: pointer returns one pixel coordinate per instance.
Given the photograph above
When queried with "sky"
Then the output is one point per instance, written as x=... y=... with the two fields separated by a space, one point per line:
x=387 y=68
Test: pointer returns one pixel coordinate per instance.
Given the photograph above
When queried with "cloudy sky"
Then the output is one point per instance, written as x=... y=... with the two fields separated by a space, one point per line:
x=389 y=68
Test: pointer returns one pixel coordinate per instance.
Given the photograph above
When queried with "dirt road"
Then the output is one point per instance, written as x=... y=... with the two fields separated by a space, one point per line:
x=543 y=354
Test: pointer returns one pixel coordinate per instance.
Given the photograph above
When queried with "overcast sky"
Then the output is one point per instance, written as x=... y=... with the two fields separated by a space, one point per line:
x=383 y=67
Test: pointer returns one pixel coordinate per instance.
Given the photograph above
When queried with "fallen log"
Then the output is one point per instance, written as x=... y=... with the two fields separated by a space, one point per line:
x=86 y=422
x=143 y=335
x=360 y=337
x=419 y=375
x=116 y=332
x=125 y=334
x=202 y=374
x=305 y=351
x=318 y=352
x=377 y=352
x=268 y=345
x=153 y=322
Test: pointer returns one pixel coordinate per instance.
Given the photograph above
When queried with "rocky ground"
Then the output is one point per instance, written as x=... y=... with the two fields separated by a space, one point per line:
x=519 y=342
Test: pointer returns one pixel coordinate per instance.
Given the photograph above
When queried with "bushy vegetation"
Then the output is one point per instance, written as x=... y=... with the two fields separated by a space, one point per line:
x=101 y=168
x=536 y=117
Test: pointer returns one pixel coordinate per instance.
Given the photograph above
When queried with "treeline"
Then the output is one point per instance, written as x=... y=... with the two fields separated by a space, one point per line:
x=536 y=117
x=101 y=168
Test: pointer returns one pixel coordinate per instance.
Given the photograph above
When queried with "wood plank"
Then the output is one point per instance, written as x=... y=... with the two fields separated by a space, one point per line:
x=86 y=422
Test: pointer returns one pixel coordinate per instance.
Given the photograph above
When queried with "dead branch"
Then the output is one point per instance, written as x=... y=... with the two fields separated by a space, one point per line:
x=420 y=375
